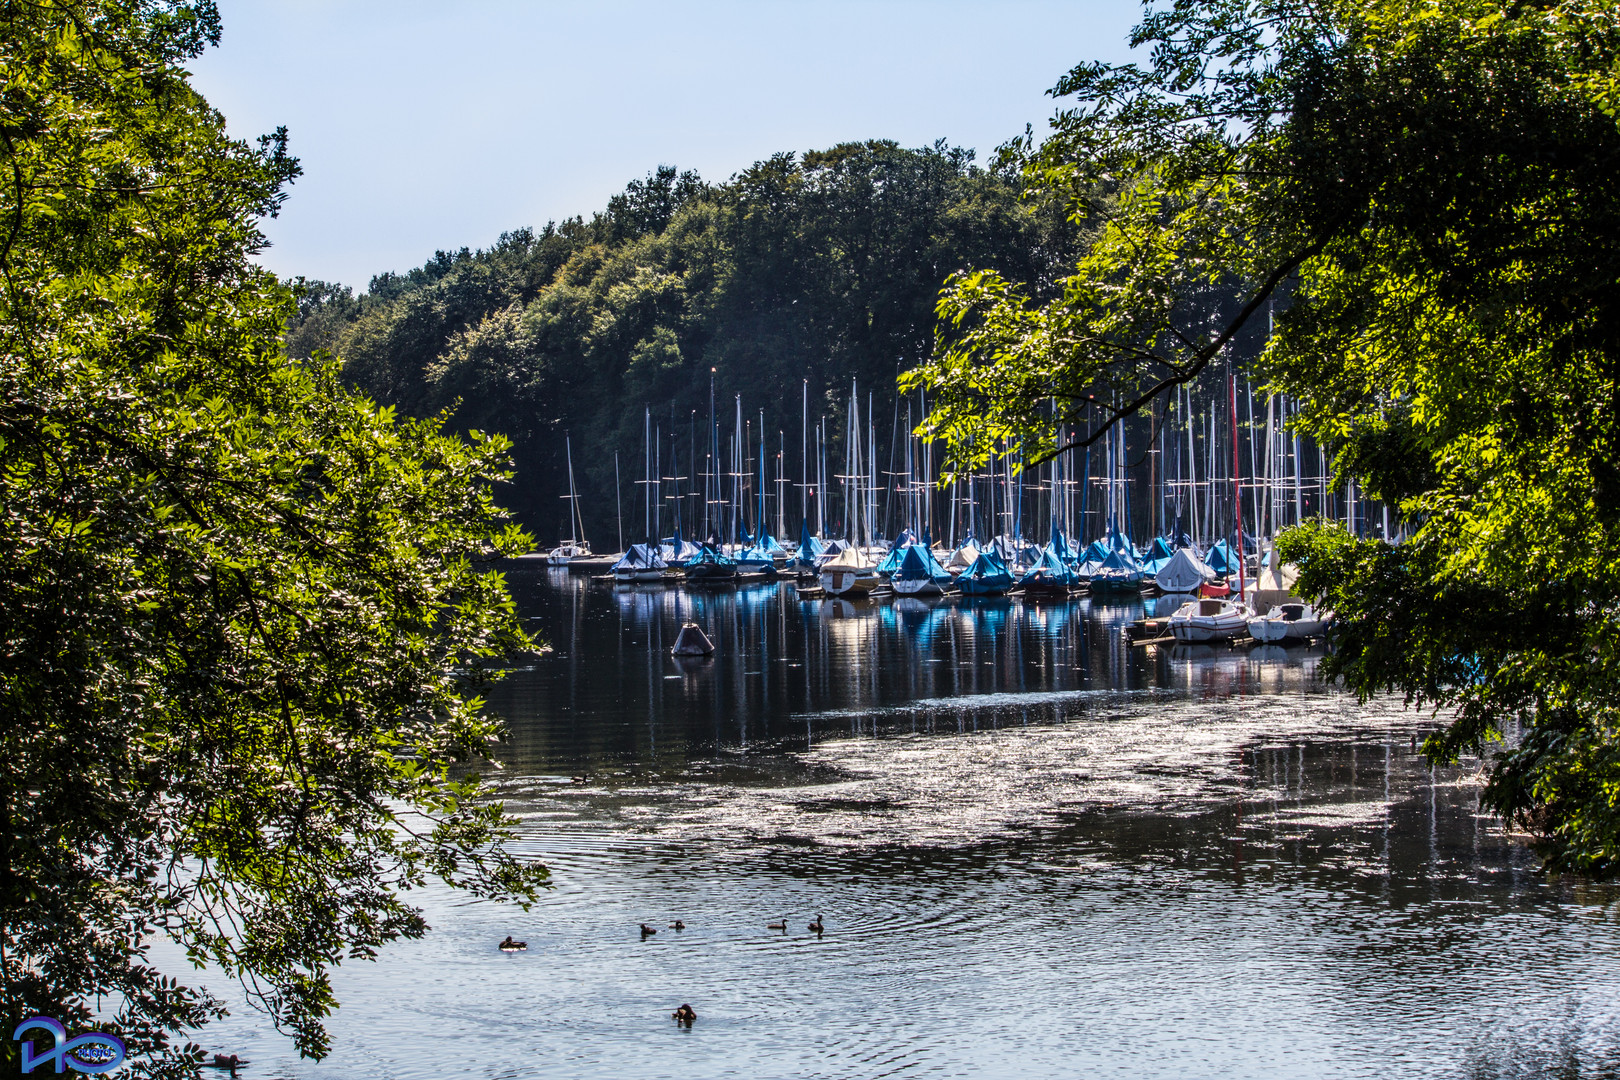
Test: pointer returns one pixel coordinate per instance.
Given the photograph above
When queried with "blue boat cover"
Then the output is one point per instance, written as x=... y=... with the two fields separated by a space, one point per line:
x=1158 y=555
x=988 y=573
x=809 y=547
x=897 y=552
x=918 y=563
x=709 y=553
x=641 y=557
x=1049 y=568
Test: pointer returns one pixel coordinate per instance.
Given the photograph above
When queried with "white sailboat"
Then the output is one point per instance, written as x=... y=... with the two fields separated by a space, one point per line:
x=577 y=547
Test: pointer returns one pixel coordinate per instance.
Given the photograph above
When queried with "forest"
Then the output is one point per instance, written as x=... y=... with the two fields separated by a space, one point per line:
x=804 y=273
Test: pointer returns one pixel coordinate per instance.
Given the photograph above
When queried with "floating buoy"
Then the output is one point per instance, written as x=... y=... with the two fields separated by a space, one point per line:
x=692 y=641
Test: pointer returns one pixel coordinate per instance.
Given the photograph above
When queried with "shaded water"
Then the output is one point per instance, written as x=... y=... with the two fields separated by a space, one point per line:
x=1038 y=852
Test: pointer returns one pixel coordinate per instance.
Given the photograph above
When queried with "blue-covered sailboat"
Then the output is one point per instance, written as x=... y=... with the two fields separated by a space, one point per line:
x=988 y=576
x=919 y=573
x=1048 y=577
x=711 y=567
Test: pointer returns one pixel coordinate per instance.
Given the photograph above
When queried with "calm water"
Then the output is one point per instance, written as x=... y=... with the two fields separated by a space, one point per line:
x=1038 y=852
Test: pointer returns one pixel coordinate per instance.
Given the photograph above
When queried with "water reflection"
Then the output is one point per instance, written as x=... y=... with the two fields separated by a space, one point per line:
x=1039 y=851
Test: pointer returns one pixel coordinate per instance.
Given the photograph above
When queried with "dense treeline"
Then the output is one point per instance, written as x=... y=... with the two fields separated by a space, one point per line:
x=823 y=266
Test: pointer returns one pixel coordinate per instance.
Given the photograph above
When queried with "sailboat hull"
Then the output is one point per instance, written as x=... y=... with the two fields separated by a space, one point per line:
x=849 y=582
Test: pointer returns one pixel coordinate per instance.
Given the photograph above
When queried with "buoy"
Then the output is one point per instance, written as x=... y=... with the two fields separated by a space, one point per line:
x=692 y=641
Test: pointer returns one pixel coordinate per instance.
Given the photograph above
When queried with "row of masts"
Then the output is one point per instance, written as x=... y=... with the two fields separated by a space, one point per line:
x=1208 y=475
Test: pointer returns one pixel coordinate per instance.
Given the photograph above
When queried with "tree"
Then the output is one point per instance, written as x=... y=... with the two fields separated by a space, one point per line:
x=245 y=611
x=1424 y=193
x=822 y=266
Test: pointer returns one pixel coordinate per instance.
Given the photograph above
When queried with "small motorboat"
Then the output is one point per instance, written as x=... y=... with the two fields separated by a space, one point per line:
x=1287 y=623
x=1208 y=619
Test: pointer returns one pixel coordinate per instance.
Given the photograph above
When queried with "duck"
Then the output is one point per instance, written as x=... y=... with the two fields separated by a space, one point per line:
x=777 y=925
x=226 y=1061
x=677 y=925
x=816 y=926
x=684 y=1015
x=513 y=946
x=580 y=779
x=647 y=931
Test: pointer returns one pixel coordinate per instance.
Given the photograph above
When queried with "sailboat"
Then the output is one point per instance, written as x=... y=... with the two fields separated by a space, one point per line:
x=641 y=564
x=849 y=574
x=577 y=546
x=919 y=573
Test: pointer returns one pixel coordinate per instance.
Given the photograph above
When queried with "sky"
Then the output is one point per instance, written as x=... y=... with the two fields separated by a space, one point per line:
x=428 y=126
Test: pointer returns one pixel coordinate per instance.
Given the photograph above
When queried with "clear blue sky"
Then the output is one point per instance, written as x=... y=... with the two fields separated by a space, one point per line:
x=440 y=125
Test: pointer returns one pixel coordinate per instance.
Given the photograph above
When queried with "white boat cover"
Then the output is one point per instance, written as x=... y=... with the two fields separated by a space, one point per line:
x=848 y=559
x=1184 y=572
x=963 y=557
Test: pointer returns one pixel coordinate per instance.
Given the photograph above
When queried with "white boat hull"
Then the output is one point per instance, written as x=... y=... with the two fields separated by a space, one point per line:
x=1268 y=631
x=918 y=587
x=1287 y=623
x=841 y=582
x=1204 y=621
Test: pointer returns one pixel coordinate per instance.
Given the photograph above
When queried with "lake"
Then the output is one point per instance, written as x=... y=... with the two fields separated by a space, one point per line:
x=1036 y=852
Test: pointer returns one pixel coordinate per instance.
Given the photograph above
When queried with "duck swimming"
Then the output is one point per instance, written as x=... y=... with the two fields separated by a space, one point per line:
x=677 y=925
x=647 y=931
x=777 y=925
x=684 y=1015
x=513 y=946
x=816 y=926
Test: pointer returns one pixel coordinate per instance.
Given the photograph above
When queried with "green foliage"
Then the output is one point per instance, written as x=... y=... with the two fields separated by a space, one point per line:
x=1424 y=193
x=246 y=612
x=823 y=267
